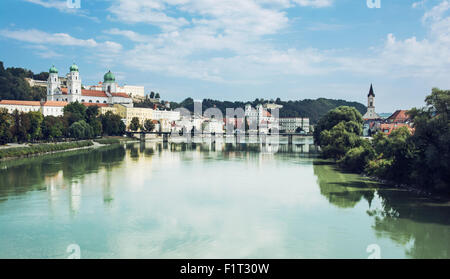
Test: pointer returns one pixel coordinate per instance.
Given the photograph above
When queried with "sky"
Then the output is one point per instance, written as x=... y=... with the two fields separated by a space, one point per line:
x=240 y=49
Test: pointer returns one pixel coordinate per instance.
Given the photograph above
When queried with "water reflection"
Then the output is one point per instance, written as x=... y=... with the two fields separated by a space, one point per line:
x=209 y=199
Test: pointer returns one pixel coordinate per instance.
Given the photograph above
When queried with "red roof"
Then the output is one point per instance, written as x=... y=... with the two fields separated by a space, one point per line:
x=55 y=104
x=399 y=116
x=95 y=104
x=97 y=93
x=388 y=128
x=124 y=95
x=93 y=93
x=20 y=103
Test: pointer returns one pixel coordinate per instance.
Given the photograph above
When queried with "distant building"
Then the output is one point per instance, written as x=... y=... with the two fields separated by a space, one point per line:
x=294 y=124
x=388 y=128
x=47 y=108
x=371 y=114
x=400 y=116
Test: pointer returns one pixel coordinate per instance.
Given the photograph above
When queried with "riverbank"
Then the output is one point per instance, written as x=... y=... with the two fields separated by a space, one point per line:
x=28 y=150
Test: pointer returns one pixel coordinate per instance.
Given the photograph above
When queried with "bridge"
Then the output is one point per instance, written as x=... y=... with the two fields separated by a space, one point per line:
x=236 y=134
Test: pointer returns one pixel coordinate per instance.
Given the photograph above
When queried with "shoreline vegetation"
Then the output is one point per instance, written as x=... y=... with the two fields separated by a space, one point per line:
x=49 y=148
x=418 y=161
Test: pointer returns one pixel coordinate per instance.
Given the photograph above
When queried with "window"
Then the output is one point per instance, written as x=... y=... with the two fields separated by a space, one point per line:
x=90 y=101
x=98 y=101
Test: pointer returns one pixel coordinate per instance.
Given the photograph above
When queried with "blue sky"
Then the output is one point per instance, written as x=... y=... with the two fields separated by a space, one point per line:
x=240 y=49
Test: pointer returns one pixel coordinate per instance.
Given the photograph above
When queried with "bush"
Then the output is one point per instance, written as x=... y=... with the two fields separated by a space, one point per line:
x=357 y=158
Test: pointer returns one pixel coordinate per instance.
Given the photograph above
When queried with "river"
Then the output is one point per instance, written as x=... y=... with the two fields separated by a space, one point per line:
x=157 y=200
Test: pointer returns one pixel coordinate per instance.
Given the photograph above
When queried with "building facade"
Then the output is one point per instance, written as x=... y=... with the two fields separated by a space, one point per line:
x=74 y=92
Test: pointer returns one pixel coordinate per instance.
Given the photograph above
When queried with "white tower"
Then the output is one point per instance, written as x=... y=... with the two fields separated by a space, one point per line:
x=53 y=85
x=74 y=84
x=371 y=114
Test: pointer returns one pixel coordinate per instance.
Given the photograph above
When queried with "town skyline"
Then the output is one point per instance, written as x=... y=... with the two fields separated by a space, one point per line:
x=293 y=50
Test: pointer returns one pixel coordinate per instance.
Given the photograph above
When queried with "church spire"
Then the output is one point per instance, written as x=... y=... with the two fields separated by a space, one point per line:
x=371 y=91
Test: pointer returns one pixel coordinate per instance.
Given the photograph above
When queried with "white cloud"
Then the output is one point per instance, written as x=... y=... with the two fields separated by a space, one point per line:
x=62 y=6
x=40 y=41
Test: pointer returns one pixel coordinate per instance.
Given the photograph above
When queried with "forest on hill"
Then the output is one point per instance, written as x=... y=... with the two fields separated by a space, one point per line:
x=13 y=85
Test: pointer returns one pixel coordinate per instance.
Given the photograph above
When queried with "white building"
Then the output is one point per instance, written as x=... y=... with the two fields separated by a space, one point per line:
x=109 y=93
x=292 y=124
x=260 y=118
x=46 y=108
x=131 y=90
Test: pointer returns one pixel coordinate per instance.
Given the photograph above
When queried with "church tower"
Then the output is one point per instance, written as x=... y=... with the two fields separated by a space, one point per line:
x=74 y=84
x=53 y=85
x=371 y=114
x=109 y=83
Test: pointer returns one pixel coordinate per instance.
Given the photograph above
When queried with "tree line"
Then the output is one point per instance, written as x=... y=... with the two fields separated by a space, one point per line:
x=78 y=122
x=420 y=159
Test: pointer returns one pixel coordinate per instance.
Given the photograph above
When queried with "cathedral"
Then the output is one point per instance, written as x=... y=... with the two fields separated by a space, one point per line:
x=74 y=91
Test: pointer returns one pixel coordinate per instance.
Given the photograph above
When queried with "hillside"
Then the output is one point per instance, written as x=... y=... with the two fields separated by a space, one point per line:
x=13 y=85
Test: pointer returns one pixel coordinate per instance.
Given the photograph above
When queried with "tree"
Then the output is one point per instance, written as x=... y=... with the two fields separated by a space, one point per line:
x=74 y=112
x=5 y=127
x=335 y=116
x=149 y=125
x=112 y=124
x=152 y=95
x=35 y=130
x=157 y=96
x=81 y=130
x=337 y=141
x=134 y=124
x=431 y=165
x=52 y=128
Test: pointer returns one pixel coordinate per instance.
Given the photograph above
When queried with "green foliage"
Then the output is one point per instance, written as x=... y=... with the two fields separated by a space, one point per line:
x=357 y=158
x=134 y=124
x=13 y=85
x=341 y=114
x=41 y=148
x=421 y=159
x=108 y=141
x=148 y=125
x=5 y=127
x=81 y=130
x=75 y=112
x=431 y=165
x=52 y=128
x=35 y=130
x=112 y=124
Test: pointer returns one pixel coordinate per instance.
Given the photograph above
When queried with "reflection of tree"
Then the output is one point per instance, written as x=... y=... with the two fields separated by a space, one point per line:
x=341 y=189
x=20 y=176
x=406 y=217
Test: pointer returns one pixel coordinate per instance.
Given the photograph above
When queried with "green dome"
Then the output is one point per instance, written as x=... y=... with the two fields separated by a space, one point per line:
x=53 y=70
x=109 y=77
x=74 y=68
